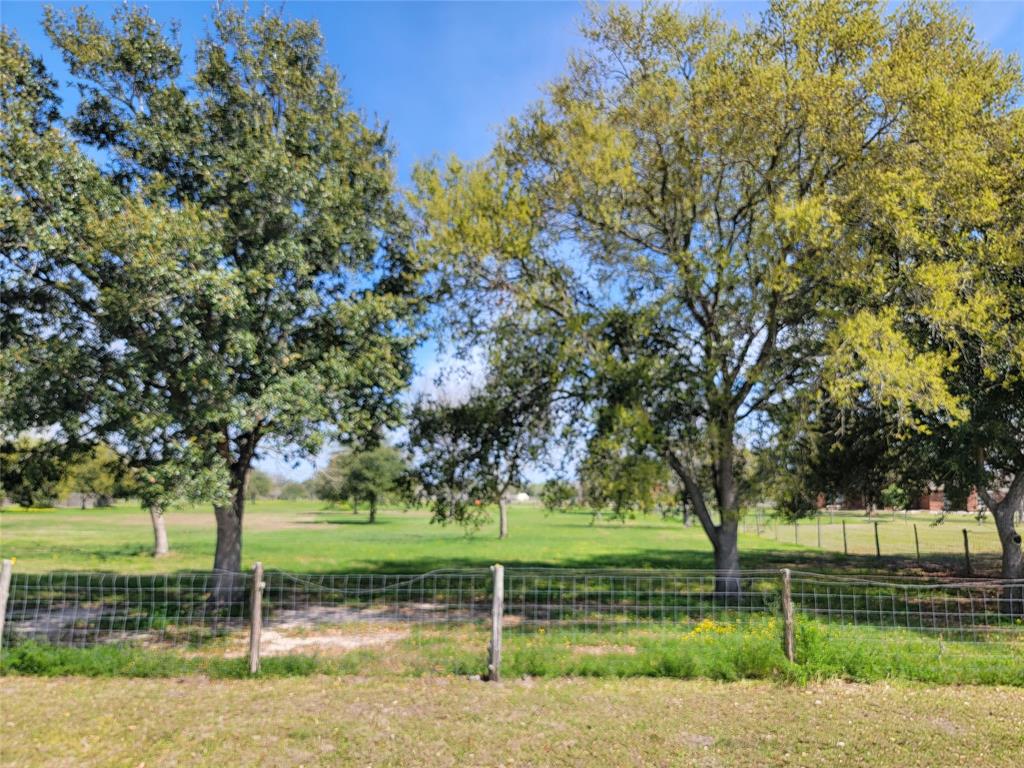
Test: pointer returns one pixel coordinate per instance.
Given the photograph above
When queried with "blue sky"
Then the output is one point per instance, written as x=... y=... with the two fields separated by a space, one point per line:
x=442 y=76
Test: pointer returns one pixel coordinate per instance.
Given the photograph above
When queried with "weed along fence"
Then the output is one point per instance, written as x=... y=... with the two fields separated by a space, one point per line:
x=479 y=621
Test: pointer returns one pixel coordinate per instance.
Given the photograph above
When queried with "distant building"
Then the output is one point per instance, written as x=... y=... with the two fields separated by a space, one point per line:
x=933 y=499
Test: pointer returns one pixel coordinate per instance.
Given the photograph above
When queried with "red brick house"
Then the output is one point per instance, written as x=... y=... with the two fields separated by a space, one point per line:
x=933 y=499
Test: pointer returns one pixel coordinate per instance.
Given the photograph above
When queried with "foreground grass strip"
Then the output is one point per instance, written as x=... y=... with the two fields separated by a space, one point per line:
x=438 y=722
x=707 y=649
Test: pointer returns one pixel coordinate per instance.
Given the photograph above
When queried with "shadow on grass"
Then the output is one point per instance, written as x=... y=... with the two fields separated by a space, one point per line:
x=940 y=565
x=350 y=520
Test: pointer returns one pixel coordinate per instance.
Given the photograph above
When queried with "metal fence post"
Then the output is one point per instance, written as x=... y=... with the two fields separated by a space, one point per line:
x=788 y=638
x=255 y=617
x=878 y=547
x=917 y=545
x=5 y=591
x=845 y=550
x=497 y=615
x=819 y=532
x=967 y=555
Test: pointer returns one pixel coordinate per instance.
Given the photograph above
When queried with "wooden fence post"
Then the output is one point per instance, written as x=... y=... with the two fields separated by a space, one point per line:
x=5 y=591
x=255 y=617
x=878 y=548
x=788 y=638
x=796 y=533
x=967 y=555
x=845 y=549
x=917 y=545
x=497 y=615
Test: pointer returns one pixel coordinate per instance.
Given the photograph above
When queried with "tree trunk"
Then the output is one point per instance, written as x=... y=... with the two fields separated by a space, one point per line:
x=502 y=518
x=727 y=554
x=1004 y=513
x=727 y=562
x=373 y=510
x=227 y=560
x=724 y=536
x=160 y=545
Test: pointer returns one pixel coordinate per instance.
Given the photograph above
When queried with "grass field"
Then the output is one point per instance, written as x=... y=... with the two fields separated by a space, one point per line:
x=306 y=536
x=319 y=721
x=395 y=696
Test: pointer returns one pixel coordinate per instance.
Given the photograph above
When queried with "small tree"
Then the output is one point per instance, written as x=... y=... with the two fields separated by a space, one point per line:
x=471 y=454
x=258 y=484
x=368 y=476
x=95 y=475
x=615 y=475
x=895 y=496
x=182 y=477
x=291 y=491
x=558 y=495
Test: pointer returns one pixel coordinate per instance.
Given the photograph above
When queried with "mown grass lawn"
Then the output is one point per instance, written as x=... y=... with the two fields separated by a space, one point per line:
x=437 y=722
x=307 y=536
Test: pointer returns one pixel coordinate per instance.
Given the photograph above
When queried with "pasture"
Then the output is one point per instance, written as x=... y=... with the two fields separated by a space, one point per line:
x=311 y=537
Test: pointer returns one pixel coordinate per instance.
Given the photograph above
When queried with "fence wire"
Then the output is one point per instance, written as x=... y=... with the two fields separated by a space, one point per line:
x=438 y=597
x=191 y=609
x=976 y=611
x=590 y=600
x=82 y=609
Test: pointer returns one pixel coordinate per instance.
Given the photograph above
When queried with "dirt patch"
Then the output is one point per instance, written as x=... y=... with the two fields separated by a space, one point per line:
x=276 y=643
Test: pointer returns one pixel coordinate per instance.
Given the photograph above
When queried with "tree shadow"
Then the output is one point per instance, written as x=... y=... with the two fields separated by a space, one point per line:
x=350 y=520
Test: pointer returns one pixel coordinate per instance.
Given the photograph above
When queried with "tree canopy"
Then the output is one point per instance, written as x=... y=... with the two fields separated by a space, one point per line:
x=217 y=260
x=700 y=208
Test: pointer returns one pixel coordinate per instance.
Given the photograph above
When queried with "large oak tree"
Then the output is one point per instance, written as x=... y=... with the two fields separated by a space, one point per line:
x=695 y=206
x=219 y=256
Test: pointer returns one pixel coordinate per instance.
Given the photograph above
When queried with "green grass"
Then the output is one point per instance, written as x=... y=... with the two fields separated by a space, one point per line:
x=322 y=722
x=708 y=649
x=940 y=538
x=307 y=536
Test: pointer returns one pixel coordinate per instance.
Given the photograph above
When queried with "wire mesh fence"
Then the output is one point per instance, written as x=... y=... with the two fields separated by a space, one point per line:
x=306 y=613
x=973 y=611
x=82 y=609
x=592 y=600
